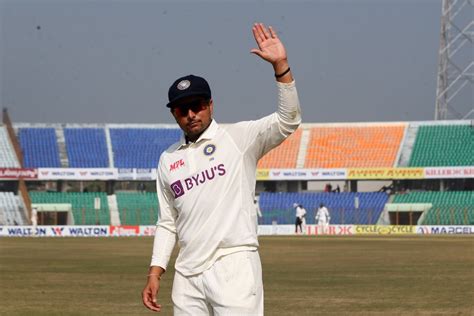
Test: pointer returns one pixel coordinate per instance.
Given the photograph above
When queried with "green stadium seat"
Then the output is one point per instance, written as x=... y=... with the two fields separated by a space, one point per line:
x=443 y=145
x=82 y=203
x=137 y=208
x=449 y=208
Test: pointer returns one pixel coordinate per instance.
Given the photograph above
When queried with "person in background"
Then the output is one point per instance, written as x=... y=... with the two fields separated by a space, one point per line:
x=328 y=187
x=322 y=218
x=300 y=214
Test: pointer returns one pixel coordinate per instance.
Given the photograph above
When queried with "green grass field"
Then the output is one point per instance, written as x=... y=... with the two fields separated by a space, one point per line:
x=419 y=275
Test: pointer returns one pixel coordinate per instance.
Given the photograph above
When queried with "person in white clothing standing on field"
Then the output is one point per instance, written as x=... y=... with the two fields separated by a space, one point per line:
x=323 y=218
x=300 y=220
x=206 y=188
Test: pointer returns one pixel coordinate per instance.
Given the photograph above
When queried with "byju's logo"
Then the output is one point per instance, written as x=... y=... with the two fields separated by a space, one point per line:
x=197 y=179
x=177 y=188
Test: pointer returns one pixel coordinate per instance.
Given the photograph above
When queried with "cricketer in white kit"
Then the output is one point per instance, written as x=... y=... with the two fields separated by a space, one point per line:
x=322 y=218
x=206 y=189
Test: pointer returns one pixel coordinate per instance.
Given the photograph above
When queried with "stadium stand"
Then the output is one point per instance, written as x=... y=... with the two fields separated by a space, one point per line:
x=449 y=208
x=86 y=147
x=137 y=208
x=8 y=157
x=82 y=205
x=285 y=155
x=11 y=209
x=40 y=147
x=141 y=147
x=279 y=207
x=354 y=146
x=444 y=145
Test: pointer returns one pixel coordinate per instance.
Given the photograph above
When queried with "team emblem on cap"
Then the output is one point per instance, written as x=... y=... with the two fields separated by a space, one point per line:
x=183 y=84
x=209 y=149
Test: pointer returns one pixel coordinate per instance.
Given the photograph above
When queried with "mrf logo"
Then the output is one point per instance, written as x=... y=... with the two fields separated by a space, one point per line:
x=180 y=187
x=176 y=165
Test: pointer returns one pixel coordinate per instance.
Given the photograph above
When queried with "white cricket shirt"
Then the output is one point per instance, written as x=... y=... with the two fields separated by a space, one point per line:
x=206 y=189
x=300 y=212
x=322 y=214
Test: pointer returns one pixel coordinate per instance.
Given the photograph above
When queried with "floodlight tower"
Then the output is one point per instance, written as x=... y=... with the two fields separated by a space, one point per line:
x=456 y=61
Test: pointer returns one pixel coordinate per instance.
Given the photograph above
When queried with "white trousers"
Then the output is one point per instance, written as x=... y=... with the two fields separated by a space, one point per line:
x=232 y=286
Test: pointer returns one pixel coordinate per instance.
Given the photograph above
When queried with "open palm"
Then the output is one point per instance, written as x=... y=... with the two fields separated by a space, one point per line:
x=270 y=48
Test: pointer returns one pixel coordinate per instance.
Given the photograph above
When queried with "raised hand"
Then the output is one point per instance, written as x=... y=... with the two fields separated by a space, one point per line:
x=270 y=48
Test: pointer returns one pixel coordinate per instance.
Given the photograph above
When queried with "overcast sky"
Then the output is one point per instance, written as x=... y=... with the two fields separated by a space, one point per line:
x=108 y=61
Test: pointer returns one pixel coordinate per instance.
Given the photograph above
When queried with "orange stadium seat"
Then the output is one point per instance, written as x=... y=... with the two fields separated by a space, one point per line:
x=354 y=146
x=285 y=155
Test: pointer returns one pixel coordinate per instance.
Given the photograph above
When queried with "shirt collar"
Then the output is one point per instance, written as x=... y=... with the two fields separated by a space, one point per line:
x=209 y=133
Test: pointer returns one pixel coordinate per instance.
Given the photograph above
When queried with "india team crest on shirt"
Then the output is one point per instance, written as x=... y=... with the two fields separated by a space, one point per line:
x=209 y=149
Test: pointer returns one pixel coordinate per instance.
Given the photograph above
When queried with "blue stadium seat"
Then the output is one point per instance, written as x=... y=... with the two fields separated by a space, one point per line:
x=86 y=147
x=141 y=147
x=279 y=207
x=40 y=147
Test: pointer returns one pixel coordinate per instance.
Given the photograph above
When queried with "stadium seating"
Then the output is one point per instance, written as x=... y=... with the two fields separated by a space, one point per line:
x=7 y=154
x=279 y=207
x=40 y=147
x=86 y=147
x=449 y=208
x=285 y=155
x=321 y=145
x=141 y=147
x=82 y=205
x=11 y=210
x=444 y=145
x=354 y=146
x=137 y=208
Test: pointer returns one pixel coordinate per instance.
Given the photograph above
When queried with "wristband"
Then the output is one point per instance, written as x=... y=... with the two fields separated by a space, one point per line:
x=159 y=277
x=283 y=73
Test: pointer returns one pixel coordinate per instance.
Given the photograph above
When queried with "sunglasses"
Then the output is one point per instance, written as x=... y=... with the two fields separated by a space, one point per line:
x=196 y=106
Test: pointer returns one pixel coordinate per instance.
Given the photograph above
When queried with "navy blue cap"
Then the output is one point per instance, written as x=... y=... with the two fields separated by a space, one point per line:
x=188 y=86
